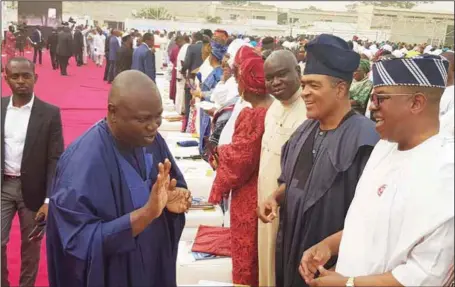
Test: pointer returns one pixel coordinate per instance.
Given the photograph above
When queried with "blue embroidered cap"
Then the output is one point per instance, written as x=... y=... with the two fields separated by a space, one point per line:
x=330 y=55
x=424 y=71
x=218 y=50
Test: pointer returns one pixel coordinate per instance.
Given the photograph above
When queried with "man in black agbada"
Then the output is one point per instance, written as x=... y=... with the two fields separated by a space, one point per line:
x=64 y=48
x=78 y=45
x=322 y=161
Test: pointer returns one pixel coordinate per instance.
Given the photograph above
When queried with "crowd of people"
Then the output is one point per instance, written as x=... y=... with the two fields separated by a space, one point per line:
x=333 y=158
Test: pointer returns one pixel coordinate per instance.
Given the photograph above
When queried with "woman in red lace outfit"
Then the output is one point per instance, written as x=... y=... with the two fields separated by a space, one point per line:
x=237 y=166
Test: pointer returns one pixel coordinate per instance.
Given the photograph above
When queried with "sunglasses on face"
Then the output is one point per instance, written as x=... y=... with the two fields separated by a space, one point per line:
x=377 y=99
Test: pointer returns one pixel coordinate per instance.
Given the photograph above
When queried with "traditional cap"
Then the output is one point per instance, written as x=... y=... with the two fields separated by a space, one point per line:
x=218 y=50
x=423 y=71
x=330 y=55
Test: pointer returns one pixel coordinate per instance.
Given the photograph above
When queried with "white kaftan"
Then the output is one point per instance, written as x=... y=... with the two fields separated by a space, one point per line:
x=401 y=219
x=280 y=123
x=180 y=91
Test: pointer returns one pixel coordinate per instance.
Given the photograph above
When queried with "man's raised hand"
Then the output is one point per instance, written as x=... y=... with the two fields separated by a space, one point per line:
x=160 y=191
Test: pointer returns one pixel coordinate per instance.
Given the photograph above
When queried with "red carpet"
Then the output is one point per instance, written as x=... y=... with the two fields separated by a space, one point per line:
x=82 y=98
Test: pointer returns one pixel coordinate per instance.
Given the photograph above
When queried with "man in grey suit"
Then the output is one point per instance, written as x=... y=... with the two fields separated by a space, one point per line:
x=144 y=57
x=31 y=144
x=64 y=48
x=193 y=60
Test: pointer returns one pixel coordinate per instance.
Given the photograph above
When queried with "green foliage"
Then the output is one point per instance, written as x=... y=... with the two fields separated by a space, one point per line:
x=395 y=4
x=312 y=8
x=215 y=20
x=159 y=13
x=235 y=3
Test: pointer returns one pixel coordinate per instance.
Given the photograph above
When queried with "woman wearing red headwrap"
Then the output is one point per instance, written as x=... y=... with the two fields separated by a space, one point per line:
x=238 y=164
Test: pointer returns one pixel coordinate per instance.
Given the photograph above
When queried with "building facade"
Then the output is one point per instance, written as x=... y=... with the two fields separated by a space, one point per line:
x=368 y=22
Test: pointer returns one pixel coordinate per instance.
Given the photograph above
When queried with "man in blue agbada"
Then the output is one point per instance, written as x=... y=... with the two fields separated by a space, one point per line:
x=107 y=225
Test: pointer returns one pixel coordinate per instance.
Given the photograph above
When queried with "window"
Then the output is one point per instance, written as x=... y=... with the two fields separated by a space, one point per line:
x=233 y=16
x=414 y=17
x=380 y=27
x=259 y=17
x=293 y=20
x=386 y=15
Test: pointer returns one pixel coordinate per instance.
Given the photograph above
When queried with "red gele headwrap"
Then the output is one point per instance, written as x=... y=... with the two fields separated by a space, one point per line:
x=250 y=71
x=221 y=34
x=244 y=53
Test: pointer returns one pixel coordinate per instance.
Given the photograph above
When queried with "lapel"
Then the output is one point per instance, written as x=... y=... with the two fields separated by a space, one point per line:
x=302 y=134
x=34 y=126
x=5 y=102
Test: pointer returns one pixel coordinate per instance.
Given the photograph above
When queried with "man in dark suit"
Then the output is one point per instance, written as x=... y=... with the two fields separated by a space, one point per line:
x=52 y=47
x=64 y=48
x=106 y=54
x=124 y=55
x=114 y=46
x=32 y=143
x=38 y=43
x=193 y=60
x=78 y=45
x=144 y=57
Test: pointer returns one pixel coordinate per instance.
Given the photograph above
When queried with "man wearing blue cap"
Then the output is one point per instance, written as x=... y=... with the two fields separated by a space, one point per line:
x=322 y=161
x=399 y=230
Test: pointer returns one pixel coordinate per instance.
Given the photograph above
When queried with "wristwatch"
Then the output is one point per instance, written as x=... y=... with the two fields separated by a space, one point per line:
x=350 y=282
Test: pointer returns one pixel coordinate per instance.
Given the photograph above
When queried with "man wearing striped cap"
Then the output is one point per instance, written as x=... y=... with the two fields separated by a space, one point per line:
x=399 y=230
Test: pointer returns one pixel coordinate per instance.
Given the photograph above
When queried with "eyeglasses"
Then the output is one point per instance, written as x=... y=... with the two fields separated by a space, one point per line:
x=377 y=99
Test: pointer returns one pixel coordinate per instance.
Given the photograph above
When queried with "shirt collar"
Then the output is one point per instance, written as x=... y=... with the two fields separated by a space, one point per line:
x=293 y=99
x=28 y=105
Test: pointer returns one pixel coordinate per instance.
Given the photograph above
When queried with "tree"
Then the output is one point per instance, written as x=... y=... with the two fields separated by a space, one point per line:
x=395 y=4
x=159 y=13
x=215 y=20
x=235 y=3
x=312 y=8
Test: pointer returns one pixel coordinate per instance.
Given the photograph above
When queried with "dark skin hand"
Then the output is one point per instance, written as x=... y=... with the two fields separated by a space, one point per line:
x=267 y=211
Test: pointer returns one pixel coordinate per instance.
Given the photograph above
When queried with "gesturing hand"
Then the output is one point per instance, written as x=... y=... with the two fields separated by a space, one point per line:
x=160 y=191
x=179 y=200
x=314 y=258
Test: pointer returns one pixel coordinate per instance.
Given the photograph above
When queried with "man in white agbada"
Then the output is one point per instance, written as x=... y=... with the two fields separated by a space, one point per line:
x=446 y=108
x=399 y=230
x=180 y=91
x=284 y=116
x=99 y=41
